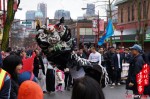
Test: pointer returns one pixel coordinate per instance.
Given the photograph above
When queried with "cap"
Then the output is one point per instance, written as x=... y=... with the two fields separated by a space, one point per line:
x=136 y=47
x=30 y=90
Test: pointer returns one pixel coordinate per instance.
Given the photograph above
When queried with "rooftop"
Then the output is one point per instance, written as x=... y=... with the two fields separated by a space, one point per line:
x=120 y=2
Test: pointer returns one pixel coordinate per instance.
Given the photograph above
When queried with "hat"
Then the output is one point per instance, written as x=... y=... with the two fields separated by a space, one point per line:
x=136 y=47
x=30 y=90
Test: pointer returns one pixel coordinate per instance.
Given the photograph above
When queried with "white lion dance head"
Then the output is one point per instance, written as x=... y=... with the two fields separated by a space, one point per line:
x=55 y=42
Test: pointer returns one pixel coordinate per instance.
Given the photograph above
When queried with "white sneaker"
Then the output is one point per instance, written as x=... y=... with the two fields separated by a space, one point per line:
x=112 y=87
x=113 y=84
x=119 y=84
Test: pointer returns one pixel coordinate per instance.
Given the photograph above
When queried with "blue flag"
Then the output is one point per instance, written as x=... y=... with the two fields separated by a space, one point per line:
x=109 y=33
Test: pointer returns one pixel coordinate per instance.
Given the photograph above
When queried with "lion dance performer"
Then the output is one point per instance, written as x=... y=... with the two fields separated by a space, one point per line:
x=58 y=46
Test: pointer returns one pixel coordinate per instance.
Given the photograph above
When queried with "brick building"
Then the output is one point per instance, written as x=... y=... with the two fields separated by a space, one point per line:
x=82 y=31
x=128 y=21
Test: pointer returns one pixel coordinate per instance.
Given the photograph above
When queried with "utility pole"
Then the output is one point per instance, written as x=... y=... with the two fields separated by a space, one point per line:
x=98 y=28
x=110 y=17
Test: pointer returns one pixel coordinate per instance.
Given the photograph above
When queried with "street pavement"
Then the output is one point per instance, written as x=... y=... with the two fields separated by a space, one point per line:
x=118 y=92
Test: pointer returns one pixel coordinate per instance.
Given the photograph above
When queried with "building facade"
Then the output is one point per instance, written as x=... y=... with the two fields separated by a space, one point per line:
x=43 y=8
x=82 y=31
x=30 y=15
x=62 y=13
x=90 y=11
x=132 y=17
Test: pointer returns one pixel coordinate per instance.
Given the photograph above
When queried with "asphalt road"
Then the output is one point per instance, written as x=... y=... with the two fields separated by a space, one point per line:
x=118 y=92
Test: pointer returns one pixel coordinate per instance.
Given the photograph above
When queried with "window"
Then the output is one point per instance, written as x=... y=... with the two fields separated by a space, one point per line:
x=144 y=9
x=129 y=14
x=122 y=15
x=133 y=12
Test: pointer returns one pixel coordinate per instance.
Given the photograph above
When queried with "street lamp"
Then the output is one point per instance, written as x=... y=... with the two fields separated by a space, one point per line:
x=121 y=37
x=97 y=38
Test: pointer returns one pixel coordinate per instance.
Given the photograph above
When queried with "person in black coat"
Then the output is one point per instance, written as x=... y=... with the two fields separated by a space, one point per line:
x=108 y=58
x=134 y=68
x=38 y=64
x=116 y=67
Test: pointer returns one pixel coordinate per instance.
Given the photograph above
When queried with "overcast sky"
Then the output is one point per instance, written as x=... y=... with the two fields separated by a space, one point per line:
x=74 y=6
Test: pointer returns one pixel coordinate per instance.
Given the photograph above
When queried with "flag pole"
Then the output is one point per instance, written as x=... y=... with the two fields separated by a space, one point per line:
x=110 y=18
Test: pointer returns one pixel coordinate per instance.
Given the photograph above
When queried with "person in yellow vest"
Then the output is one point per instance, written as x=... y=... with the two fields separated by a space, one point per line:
x=5 y=84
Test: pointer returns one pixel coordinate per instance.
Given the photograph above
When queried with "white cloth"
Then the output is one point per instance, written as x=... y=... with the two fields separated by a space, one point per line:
x=118 y=55
x=77 y=74
x=59 y=77
x=41 y=80
x=95 y=57
x=66 y=70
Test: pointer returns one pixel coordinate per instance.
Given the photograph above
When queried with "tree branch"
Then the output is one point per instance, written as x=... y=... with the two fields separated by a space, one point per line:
x=112 y=2
x=18 y=3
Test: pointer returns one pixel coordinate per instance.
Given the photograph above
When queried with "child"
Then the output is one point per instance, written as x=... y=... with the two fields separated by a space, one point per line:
x=60 y=79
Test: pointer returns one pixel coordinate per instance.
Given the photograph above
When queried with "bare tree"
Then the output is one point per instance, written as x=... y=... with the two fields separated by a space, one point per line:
x=8 y=22
x=142 y=24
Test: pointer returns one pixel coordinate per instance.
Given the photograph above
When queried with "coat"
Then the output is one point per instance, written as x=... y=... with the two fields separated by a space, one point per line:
x=14 y=89
x=108 y=59
x=134 y=68
x=38 y=61
x=5 y=91
x=59 y=76
x=114 y=62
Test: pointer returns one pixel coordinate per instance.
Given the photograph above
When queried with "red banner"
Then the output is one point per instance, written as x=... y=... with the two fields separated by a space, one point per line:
x=142 y=78
x=95 y=25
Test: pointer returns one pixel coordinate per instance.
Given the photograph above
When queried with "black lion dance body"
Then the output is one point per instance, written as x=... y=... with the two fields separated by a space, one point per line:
x=56 y=43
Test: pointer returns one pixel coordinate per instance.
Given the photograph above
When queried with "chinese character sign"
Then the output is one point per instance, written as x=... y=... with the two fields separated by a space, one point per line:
x=142 y=78
x=95 y=25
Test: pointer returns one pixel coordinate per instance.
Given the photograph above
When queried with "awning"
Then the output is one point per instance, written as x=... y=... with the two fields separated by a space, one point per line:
x=120 y=2
x=129 y=35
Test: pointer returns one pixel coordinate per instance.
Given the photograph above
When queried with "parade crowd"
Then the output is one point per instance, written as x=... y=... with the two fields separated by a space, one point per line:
x=24 y=72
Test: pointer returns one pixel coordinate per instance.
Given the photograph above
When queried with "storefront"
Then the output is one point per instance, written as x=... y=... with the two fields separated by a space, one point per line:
x=129 y=38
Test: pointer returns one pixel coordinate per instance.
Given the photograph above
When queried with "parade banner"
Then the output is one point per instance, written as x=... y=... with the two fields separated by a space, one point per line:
x=95 y=25
x=142 y=78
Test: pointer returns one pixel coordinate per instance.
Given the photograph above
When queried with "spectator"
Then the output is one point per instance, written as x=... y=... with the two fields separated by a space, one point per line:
x=60 y=79
x=134 y=68
x=108 y=58
x=26 y=75
x=87 y=88
x=95 y=57
x=5 y=84
x=30 y=90
x=82 y=54
x=127 y=56
x=38 y=64
x=68 y=79
x=50 y=78
x=13 y=64
x=116 y=67
x=101 y=51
